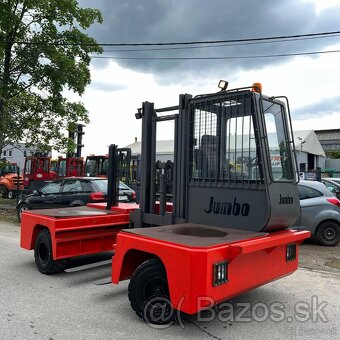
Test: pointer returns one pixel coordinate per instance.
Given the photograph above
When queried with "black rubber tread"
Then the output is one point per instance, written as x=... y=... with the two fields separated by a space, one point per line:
x=150 y=267
x=319 y=236
x=50 y=266
x=18 y=210
x=3 y=192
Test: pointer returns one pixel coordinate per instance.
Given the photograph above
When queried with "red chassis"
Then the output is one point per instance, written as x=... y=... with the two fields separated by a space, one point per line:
x=75 y=231
x=252 y=260
x=188 y=252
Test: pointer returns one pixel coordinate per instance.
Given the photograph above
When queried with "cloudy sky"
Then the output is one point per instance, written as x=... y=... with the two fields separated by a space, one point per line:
x=119 y=86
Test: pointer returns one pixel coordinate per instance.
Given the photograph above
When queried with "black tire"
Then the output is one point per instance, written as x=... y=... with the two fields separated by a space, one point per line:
x=148 y=290
x=21 y=208
x=328 y=233
x=43 y=255
x=4 y=192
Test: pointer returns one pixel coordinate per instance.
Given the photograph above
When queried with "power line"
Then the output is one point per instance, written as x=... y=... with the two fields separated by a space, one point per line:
x=181 y=43
x=216 y=46
x=218 y=58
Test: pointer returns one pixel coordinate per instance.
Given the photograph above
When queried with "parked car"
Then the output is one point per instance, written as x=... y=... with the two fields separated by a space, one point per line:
x=320 y=213
x=333 y=185
x=72 y=192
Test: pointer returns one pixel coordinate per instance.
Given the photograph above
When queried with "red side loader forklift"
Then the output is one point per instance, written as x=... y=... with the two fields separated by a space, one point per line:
x=96 y=166
x=37 y=172
x=225 y=231
x=70 y=166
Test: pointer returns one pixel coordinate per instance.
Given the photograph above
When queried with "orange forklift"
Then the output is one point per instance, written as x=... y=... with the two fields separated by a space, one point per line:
x=10 y=179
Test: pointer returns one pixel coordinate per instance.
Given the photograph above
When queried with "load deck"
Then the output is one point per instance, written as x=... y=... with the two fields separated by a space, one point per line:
x=74 y=231
x=190 y=252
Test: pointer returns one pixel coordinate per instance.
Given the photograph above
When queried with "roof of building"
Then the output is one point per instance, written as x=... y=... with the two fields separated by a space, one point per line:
x=165 y=147
x=331 y=134
x=305 y=140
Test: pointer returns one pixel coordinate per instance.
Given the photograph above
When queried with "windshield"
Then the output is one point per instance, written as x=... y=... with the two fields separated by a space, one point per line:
x=279 y=149
x=10 y=169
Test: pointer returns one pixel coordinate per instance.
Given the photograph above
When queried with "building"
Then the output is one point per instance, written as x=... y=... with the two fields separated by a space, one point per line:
x=164 y=150
x=329 y=139
x=310 y=154
x=16 y=153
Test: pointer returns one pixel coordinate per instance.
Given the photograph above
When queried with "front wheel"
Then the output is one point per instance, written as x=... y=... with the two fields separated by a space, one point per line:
x=328 y=233
x=4 y=192
x=149 y=293
x=43 y=255
x=23 y=207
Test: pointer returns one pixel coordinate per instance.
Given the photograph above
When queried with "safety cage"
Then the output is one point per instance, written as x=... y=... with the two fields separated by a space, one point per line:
x=224 y=141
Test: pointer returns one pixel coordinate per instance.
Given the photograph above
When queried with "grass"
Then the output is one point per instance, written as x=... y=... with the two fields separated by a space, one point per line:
x=7 y=201
x=9 y=216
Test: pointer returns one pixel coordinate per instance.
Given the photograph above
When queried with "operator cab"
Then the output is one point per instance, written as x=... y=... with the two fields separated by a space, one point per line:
x=234 y=162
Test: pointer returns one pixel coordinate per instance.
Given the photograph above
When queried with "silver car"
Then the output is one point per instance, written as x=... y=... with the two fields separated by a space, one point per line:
x=320 y=213
x=332 y=184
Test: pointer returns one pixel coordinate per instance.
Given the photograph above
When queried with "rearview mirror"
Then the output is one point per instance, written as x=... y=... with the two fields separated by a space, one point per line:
x=36 y=193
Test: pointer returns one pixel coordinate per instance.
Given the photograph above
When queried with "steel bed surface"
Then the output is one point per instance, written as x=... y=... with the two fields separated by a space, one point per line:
x=72 y=212
x=195 y=235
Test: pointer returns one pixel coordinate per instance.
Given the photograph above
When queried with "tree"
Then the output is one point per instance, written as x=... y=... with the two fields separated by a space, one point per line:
x=43 y=52
x=333 y=154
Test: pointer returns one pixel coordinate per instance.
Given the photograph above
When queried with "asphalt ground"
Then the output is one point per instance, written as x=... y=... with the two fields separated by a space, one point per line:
x=70 y=306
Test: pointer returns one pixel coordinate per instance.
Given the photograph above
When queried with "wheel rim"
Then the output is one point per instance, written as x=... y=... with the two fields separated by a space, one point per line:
x=157 y=308
x=43 y=253
x=10 y=194
x=329 y=233
x=154 y=287
x=24 y=208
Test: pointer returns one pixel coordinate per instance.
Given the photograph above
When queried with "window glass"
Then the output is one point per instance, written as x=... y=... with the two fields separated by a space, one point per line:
x=62 y=168
x=72 y=186
x=306 y=192
x=223 y=142
x=28 y=166
x=336 y=180
x=123 y=186
x=330 y=186
x=51 y=188
x=91 y=168
x=279 y=151
x=241 y=152
x=100 y=185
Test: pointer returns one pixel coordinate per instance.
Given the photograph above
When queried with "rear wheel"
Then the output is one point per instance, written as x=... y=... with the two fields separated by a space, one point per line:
x=328 y=233
x=149 y=293
x=43 y=255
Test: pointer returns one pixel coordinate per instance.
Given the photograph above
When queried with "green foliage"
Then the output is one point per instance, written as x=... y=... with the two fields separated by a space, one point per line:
x=333 y=154
x=43 y=52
